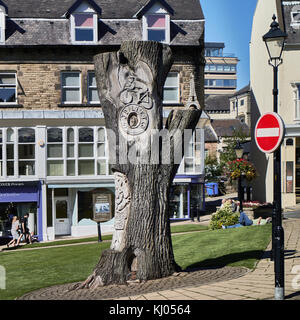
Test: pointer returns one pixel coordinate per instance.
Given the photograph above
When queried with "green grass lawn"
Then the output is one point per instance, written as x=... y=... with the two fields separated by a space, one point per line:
x=174 y=229
x=33 y=269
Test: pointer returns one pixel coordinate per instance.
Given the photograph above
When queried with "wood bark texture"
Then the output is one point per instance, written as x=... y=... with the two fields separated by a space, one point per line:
x=130 y=85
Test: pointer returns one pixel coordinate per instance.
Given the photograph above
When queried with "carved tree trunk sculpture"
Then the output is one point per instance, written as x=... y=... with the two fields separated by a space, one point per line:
x=130 y=84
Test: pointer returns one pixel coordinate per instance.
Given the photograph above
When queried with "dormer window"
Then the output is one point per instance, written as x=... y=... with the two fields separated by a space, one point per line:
x=84 y=22
x=156 y=25
x=156 y=21
x=84 y=27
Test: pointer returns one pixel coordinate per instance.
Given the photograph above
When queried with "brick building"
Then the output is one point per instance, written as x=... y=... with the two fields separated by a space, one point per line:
x=53 y=147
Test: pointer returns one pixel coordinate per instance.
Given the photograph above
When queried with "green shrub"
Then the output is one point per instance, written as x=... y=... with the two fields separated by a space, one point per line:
x=224 y=216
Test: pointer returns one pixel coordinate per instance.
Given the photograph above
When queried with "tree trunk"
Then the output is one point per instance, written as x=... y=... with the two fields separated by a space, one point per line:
x=130 y=85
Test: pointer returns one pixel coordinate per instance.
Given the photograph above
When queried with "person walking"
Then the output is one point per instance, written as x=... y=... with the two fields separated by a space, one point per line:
x=25 y=230
x=14 y=231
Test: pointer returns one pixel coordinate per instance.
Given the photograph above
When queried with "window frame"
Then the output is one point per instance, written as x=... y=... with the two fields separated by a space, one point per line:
x=65 y=158
x=171 y=87
x=296 y=87
x=91 y=87
x=15 y=86
x=70 y=87
x=209 y=84
x=95 y=28
x=293 y=21
x=166 y=28
x=32 y=143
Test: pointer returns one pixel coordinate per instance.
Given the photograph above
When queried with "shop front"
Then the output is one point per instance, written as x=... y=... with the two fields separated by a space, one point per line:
x=19 y=198
x=187 y=198
x=74 y=209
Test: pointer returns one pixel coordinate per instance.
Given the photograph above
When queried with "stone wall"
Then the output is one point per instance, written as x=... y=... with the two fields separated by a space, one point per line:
x=39 y=74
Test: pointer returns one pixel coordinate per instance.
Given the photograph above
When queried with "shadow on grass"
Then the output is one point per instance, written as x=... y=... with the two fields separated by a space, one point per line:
x=223 y=261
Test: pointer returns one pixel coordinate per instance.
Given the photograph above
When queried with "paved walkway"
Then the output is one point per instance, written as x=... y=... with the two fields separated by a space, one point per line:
x=258 y=284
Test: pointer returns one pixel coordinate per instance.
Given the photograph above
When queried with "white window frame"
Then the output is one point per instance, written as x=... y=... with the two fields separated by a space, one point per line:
x=27 y=160
x=2 y=25
x=71 y=87
x=91 y=87
x=76 y=157
x=15 y=86
x=198 y=154
x=166 y=28
x=15 y=144
x=95 y=28
x=172 y=87
x=296 y=89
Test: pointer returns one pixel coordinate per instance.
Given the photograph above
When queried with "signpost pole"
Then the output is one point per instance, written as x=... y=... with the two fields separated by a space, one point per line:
x=99 y=232
x=277 y=230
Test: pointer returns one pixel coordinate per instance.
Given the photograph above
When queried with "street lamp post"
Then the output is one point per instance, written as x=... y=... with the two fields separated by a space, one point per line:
x=239 y=154
x=274 y=40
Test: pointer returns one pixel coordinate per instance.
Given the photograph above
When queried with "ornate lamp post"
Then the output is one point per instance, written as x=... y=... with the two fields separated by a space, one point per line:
x=274 y=40
x=239 y=154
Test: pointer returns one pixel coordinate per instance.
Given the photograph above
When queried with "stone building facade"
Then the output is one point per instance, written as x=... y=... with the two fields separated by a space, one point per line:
x=53 y=145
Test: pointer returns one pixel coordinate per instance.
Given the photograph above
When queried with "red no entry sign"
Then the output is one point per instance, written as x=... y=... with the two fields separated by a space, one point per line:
x=269 y=132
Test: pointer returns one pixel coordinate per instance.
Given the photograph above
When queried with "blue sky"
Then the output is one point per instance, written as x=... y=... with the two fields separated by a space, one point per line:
x=230 y=21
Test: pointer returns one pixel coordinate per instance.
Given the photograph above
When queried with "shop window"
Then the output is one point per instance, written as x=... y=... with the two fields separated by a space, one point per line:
x=84 y=27
x=71 y=87
x=8 y=88
x=93 y=96
x=171 y=88
x=85 y=205
x=179 y=201
x=26 y=151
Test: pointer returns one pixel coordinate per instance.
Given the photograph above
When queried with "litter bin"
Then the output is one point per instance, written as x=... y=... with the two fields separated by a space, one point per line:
x=212 y=188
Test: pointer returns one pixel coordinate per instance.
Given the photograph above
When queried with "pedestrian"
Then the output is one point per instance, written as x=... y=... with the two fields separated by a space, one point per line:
x=14 y=231
x=244 y=221
x=25 y=230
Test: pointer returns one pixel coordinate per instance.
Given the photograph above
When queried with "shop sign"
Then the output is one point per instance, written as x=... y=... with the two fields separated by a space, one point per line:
x=102 y=208
x=19 y=184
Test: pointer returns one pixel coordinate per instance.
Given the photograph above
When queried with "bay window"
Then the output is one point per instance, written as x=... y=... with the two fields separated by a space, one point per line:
x=77 y=151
